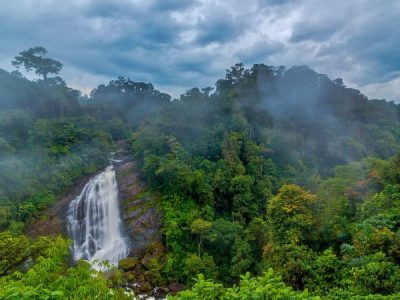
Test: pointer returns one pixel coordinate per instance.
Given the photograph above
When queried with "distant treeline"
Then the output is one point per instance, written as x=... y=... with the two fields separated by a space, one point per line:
x=275 y=168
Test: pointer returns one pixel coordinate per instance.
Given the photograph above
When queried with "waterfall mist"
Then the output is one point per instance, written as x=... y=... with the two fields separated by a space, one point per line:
x=94 y=222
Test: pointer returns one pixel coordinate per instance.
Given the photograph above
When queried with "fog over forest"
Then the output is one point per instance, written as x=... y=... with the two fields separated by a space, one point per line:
x=202 y=150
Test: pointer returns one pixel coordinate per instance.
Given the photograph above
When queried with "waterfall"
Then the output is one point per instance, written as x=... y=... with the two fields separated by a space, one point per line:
x=94 y=222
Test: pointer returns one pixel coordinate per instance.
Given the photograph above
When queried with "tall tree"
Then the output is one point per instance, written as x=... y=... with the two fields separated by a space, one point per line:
x=290 y=214
x=33 y=59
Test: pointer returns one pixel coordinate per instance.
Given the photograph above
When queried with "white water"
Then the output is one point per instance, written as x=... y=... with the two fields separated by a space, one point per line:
x=94 y=223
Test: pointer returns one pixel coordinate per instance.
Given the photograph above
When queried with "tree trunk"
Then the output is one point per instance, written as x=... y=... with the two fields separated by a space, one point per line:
x=199 y=247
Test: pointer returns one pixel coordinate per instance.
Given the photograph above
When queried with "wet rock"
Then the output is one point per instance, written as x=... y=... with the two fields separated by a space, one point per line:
x=141 y=217
x=53 y=220
x=133 y=214
x=138 y=202
x=160 y=292
x=144 y=229
x=175 y=287
x=145 y=288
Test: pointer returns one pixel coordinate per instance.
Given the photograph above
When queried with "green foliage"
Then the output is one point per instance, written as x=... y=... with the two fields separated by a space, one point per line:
x=268 y=286
x=47 y=140
x=117 y=128
x=250 y=179
x=326 y=272
x=58 y=153
x=290 y=214
x=273 y=169
x=195 y=264
x=242 y=258
x=201 y=228
x=243 y=204
x=375 y=275
x=5 y=147
x=50 y=277
x=14 y=250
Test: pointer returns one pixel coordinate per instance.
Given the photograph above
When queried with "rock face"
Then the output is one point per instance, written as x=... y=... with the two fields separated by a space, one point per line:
x=142 y=220
x=53 y=221
x=140 y=214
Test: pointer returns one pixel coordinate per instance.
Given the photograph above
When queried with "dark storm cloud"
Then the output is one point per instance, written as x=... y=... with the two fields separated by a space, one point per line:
x=314 y=31
x=177 y=44
x=364 y=36
x=173 y=5
x=219 y=27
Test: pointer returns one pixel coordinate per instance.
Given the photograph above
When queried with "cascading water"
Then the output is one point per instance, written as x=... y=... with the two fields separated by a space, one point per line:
x=94 y=223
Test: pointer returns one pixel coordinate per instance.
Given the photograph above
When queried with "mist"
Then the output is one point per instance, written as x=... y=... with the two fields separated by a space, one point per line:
x=213 y=176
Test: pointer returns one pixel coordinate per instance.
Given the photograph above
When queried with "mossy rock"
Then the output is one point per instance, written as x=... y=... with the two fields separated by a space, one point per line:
x=128 y=264
x=145 y=287
x=131 y=276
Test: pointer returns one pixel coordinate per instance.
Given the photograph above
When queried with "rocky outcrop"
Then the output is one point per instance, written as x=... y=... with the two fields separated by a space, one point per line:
x=140 y=214
x=53 y=220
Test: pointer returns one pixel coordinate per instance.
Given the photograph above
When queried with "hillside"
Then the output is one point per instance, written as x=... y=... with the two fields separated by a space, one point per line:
x=283 y=174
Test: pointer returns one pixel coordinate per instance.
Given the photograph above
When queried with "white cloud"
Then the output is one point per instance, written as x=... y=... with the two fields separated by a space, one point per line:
x=388 y=90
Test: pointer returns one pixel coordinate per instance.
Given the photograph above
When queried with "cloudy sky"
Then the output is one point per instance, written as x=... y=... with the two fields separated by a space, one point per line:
x=178 y=44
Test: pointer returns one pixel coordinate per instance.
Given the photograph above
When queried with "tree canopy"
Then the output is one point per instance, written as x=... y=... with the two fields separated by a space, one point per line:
x=279 y=184
x=33 y=59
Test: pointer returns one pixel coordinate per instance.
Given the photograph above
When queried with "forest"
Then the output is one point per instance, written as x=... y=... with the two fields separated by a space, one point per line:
x=277 y=183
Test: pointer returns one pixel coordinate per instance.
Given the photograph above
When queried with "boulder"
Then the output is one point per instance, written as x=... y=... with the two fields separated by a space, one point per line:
x=175 y=287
